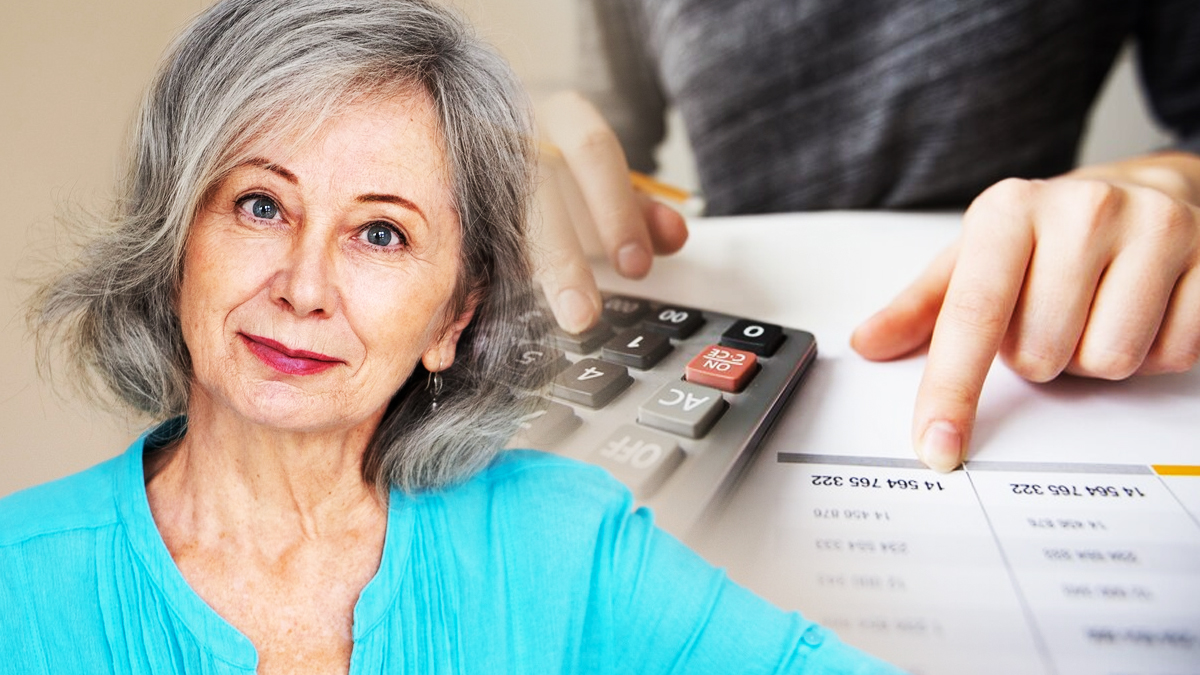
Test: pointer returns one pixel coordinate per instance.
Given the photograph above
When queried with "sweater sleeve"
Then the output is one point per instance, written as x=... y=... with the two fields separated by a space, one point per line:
x=618 y=74
x=1169 y=61
x=673 y=613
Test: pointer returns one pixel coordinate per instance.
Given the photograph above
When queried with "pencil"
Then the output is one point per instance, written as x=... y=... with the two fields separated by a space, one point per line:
x=689 y=204
x=657 y=188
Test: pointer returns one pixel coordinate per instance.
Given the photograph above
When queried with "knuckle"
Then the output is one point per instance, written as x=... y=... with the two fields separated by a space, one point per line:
x=1001 y=197
x=1109 y=363
x=1172 y=359
x=1009 y=190
x=951 y=394
x=597 y=141
x=976 y=311
x=1169 y=220
x=1163 y=179
x=1097 y=198
x=1036 y=365
x=563 y=267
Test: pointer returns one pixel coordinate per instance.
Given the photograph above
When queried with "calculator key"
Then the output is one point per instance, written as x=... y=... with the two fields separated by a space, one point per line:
x=682 y=408
x=549 y=423
x=586 y=342
x=640 y=458
x=676 y=322
x=636 y=348
x=592 y=382
x=724 y=368
x=535 y=364
x=537 y=315
x=754 y=336
x=622 y=312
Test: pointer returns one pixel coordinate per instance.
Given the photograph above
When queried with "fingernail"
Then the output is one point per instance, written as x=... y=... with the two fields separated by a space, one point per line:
x=941 y=447
x=633 y=261
x=575 y=311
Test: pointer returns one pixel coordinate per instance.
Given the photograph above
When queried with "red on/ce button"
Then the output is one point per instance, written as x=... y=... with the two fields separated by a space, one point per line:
x=723 y=368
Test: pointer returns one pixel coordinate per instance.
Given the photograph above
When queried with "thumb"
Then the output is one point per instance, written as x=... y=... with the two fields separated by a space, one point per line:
x=907 y=322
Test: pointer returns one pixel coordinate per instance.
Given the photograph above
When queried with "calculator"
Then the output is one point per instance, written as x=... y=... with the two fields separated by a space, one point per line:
x=672 y=400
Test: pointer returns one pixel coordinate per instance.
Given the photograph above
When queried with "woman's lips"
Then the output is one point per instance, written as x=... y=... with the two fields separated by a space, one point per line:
x=288 y=361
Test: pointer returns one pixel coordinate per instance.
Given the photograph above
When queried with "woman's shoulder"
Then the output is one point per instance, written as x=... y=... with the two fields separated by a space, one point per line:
x=85 y=500
x=529 y=473
x=537 y=489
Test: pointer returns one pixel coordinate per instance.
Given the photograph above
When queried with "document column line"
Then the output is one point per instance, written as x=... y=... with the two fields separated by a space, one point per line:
x=1012 y=577
x=1195 y=518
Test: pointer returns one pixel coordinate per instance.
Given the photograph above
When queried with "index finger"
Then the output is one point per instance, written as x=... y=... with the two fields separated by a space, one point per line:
x=596 y=160
x=982 y=292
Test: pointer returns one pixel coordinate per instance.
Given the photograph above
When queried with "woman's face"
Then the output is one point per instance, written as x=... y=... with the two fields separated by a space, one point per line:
x=320 y=271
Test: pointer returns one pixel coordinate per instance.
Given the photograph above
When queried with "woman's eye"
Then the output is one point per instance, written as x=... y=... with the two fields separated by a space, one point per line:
x=383 y=236
x=263 y=208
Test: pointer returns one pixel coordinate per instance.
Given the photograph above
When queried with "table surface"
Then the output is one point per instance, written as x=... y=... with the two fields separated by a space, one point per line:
x=1060 y=549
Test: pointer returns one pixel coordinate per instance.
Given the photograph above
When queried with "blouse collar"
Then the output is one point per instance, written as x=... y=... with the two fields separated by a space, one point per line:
x=211 y=631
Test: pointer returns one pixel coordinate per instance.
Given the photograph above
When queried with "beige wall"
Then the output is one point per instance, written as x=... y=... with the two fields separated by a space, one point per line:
x=71 y=73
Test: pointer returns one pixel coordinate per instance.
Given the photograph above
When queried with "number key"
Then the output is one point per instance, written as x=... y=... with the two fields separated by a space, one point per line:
x=547 y=424
x=637 y=348
x=761 y=338
x=592 y=382
x=676 y=322
x=532 y=365
x=623 y=312
x=583 y=343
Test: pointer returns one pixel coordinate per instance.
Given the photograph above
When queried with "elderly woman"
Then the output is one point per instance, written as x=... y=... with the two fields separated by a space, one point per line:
x=313 y=278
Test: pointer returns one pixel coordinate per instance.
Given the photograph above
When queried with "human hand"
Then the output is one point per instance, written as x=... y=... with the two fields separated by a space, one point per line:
x=585 y=204
x=1095 y=273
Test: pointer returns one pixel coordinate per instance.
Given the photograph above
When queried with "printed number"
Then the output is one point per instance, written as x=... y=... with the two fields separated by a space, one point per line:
x=621 y=305
x=1026 y=489
x=754 y=331
x=526 y=421
x=528 y=358
x=827 y=480
x=673 y=315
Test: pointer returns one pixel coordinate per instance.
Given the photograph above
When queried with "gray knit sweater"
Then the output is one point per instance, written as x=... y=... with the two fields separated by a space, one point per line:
x=811 y=104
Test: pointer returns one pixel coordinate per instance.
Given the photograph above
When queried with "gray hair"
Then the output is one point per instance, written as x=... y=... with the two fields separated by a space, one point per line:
x=249 y=69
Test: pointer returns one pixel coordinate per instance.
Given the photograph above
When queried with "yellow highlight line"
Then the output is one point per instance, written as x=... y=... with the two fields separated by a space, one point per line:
x=1176 y=470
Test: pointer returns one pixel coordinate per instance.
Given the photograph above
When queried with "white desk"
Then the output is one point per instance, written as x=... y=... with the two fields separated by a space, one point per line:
x=1011 y=567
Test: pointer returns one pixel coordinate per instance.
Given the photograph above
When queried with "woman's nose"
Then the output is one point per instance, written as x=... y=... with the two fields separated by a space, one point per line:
x=305 y=285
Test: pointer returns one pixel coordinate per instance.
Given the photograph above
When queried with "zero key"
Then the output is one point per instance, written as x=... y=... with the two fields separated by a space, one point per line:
x=753 y=336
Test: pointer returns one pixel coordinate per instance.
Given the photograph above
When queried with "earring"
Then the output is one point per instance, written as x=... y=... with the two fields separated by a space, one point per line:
x=433 y=384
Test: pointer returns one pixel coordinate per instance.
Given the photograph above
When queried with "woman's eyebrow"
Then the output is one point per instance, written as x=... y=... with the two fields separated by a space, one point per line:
x=392 y=199
x=274 y=168
x=365 y=199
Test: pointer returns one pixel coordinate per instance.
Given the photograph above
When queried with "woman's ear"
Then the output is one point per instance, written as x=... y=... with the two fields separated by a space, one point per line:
x=440 y=354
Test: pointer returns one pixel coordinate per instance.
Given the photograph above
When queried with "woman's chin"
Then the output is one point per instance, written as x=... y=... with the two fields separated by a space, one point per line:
x=281 y=407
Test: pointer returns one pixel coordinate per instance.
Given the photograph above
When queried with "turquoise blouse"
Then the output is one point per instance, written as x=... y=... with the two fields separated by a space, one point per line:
x=536 y=565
